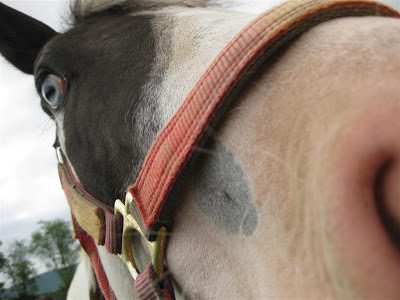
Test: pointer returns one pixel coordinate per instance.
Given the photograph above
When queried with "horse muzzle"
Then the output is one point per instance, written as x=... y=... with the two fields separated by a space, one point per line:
x=366 y=185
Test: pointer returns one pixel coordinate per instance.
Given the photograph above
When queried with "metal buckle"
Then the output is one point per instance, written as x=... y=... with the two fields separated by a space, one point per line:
x=59 y=155
x=157 y=247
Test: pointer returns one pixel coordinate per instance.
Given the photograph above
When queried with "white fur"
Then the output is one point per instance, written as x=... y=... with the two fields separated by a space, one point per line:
x=92 y=6
x=118 y=275
x=61 y=138
x=198 y=35
x=84 y=280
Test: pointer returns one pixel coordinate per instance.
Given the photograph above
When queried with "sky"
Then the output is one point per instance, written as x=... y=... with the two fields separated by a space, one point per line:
x=29 y=185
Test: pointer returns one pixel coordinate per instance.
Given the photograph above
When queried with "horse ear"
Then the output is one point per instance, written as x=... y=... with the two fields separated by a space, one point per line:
x=21 y=38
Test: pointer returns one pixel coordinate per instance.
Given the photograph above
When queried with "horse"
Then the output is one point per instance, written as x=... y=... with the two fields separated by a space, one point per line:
x=294 y=194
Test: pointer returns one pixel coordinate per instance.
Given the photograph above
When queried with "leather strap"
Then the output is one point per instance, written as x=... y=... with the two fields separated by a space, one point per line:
x=149 y=286
x=94 y=223
x=206 y=103
x=94 y=217
x=90 y=248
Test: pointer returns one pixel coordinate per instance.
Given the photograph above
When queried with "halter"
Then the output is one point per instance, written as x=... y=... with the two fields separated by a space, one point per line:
x=150 y=202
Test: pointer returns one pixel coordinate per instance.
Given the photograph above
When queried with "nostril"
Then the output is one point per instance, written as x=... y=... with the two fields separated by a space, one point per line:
x=365 y=189
x=387 y=198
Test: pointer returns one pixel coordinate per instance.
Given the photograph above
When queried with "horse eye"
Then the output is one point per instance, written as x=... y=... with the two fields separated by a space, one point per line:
x=53 y=90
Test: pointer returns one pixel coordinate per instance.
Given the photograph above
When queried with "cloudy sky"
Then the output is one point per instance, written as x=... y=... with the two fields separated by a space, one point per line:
x=29 y=184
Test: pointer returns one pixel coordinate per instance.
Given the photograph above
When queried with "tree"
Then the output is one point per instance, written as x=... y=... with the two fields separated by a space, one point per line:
x=54 y=244
x=20 y=270
x=3 y=262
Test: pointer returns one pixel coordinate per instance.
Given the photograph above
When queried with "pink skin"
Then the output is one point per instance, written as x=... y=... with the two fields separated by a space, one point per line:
x=370 y=141
x=392 y=189
x=321 y=121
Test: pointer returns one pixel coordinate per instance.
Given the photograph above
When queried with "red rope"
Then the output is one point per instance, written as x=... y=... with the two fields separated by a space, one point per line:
x=90 y=248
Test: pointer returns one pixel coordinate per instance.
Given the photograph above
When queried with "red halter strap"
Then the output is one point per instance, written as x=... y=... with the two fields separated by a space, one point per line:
x=202 y=109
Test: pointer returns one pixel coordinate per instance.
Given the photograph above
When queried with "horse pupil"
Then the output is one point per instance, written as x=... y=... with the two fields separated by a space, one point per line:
x=50 y=92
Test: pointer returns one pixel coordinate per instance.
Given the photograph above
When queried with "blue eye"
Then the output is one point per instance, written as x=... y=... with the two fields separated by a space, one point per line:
x=53 y=90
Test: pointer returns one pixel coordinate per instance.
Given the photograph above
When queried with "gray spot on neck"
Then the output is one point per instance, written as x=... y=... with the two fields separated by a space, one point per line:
x=223 y=193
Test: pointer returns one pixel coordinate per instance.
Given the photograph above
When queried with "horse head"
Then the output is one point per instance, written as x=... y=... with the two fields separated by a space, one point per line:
x=276 y=186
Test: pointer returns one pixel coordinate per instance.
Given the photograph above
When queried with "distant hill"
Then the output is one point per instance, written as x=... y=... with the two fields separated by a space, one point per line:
x=47 y=283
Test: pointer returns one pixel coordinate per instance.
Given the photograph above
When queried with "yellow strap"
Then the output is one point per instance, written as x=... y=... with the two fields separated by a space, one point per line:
x=88 y=215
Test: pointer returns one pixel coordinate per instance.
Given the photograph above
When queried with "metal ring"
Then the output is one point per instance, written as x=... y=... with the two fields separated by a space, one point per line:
x=59 y=155
x=156 y=247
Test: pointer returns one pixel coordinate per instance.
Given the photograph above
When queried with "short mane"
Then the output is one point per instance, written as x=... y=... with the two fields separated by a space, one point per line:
x=84 y=9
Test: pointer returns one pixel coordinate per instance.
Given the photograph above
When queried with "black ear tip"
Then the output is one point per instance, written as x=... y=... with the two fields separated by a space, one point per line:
x=22 y=37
